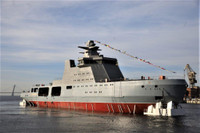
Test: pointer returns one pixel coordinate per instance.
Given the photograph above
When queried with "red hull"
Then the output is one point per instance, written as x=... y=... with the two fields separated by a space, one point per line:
x=98 y=107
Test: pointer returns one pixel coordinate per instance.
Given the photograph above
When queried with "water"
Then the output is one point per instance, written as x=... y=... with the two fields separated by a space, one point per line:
x=14 y=118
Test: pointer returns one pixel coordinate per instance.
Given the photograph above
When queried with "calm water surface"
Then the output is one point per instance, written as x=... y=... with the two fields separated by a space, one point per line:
x=14 y=118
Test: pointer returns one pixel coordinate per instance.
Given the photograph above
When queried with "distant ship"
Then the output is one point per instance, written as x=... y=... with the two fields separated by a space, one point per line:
x=97 y=84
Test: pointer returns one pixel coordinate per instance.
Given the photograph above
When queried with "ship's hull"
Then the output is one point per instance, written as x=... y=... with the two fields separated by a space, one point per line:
x=115 y=97
x=131 y=108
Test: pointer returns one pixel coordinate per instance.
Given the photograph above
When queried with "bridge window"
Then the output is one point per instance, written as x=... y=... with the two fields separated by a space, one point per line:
x=90 y=62
x=68 y=87
x=56 y=91
x=43 y=91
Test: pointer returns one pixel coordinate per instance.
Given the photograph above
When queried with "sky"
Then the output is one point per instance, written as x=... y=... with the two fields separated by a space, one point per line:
x=38 y=36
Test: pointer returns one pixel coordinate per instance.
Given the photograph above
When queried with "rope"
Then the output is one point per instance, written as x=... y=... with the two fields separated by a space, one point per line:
x=134 y=57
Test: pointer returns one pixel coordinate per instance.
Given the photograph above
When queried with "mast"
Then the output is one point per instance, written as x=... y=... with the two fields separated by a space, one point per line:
x=103 y=68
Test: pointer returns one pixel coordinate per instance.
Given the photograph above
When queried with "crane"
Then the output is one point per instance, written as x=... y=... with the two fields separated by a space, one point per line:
x=191 y=74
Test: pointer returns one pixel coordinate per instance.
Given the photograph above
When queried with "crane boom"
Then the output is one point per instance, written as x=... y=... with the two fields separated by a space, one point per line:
x=191 y=74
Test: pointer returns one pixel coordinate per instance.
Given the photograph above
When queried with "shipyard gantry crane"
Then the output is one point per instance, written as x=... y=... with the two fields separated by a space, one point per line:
x=191 y=74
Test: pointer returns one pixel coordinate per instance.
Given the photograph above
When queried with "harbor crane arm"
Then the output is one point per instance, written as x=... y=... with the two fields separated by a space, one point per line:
x=191 y=74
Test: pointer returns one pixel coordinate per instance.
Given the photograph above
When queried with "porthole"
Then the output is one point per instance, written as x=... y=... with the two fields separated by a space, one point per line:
x=142 y=86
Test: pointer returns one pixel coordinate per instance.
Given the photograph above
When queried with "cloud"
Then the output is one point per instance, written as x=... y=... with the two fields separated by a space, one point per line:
x=41 y=32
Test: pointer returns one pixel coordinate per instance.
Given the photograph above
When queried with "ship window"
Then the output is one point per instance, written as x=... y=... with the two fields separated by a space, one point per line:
x=87 y=79
x=35 y=89
x=83 y=73
x=95 y=85
x=74 y=86
x=95 y=91
x=90 y=62
x=105 y=84
x=31 y=89
x=100 y=91
x=43 y=91
x=68 y=87
x=82 y=85
x=79 y=74
x=82 y=79
x=90 y=92
x=77 y=86
x=91 y=79
x=56 y=91
x=86 y=92
x=142 y=86
x=78 y=79
x=91 y=85
x=100 y=85
x=87 y=73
